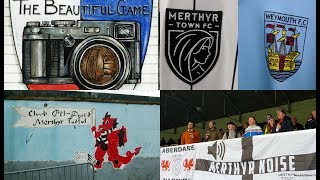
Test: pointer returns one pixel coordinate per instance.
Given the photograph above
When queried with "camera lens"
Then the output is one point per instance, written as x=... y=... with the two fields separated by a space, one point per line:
x=99 y=64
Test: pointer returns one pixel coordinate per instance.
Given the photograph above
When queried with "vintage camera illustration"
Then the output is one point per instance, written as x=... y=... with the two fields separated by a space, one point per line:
x=91 y=54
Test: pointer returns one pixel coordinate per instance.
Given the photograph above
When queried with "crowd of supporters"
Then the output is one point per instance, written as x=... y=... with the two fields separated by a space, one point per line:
x=283 y=123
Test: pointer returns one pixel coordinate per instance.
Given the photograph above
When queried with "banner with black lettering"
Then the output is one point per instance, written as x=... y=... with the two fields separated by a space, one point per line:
x=198 y=44
x=177 y=162
x=55 y=116
x=290 y=155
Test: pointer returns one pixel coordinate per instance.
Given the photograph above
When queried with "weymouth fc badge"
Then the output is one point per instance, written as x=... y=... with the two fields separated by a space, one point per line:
x=284 y=41
x=192 y=42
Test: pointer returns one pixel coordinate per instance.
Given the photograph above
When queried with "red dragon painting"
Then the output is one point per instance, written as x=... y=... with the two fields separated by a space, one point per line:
x=108 y=139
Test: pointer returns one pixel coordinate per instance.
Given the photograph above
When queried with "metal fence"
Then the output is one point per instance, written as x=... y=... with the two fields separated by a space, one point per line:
x=67 y=172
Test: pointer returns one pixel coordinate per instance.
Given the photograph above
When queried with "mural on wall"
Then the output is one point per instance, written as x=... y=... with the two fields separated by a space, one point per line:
x=81 y=44
x=108 y=139
x=107 y=136
x=42 y=134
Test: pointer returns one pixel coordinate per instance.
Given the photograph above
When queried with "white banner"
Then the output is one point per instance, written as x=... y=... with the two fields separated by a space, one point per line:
x=52 y=117
x=177 y=162
x=290 y=155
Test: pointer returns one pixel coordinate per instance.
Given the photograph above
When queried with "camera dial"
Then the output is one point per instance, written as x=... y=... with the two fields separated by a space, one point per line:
x=35 y=30
x=63 y=22
x=68 y=41
x=45 y=23
x=33 y=23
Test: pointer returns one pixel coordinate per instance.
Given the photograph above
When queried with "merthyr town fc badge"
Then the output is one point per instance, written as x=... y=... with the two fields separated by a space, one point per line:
x=284 y=43
x=192 y=42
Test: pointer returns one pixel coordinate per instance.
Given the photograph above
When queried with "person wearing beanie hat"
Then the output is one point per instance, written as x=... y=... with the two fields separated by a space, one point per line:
x=232 y=131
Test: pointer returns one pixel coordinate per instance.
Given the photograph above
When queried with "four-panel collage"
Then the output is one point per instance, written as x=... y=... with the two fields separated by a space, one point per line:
x=159 y=90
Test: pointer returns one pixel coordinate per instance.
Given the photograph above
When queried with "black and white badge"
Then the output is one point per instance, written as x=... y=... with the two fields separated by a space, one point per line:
x=192 y=42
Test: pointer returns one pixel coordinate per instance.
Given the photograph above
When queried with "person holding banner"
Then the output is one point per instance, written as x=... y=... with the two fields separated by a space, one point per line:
x=252 y=129
x=190 y=135
x=213 y=133
x=284 y=124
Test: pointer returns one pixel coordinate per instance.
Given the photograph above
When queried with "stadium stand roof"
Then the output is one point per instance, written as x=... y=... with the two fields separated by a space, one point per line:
x=177 y=107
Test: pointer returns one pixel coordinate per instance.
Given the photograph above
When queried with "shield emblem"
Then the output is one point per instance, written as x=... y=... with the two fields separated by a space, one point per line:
x=176 y=166
x=284 y=43
x=192 y=42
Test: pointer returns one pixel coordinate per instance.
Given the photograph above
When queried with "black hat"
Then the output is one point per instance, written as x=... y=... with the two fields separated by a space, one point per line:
x=230 y=123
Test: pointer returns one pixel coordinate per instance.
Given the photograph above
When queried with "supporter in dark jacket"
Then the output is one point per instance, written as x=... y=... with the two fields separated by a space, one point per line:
x=163 y=142
x=284 y=124
x=244 y=126
x=296 y=125
x=311 y=123
x=170 y=142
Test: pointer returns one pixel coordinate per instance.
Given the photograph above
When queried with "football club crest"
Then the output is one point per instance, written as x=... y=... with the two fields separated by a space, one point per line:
x=81 y=44
x=176 y=165
x=192 y=42
x=284 y=43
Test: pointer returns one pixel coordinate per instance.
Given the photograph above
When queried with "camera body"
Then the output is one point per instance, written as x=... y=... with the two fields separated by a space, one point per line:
x=92 y=54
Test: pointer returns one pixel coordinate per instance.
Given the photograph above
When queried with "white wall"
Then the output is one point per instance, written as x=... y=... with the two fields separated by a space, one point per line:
x=12 y=69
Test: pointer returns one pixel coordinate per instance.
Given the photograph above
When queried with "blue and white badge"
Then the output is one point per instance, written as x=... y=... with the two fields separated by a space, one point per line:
x=284 y=43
